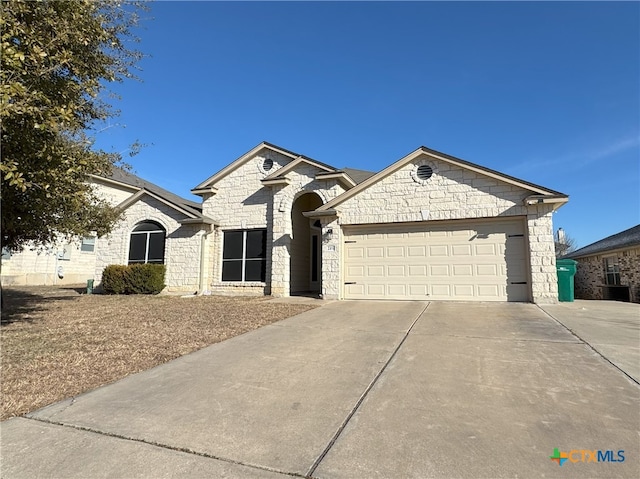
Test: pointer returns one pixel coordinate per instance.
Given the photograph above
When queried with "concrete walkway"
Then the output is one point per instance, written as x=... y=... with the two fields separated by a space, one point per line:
x=352 y=389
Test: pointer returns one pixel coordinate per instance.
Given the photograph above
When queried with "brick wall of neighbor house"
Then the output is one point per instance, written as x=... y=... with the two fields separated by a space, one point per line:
x=182 y=246
x=451 y=193
x=590 y=274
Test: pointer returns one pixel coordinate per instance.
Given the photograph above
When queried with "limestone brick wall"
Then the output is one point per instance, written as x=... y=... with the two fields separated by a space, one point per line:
x=302 y=181
x=544 y=275
x=590 y=274
x=451 y=193
x=182 y=245
x=243 y=202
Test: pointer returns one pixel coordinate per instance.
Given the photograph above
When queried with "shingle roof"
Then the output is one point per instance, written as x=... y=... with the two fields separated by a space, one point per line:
x=123 y=176
x=626 y=238
x=358 y=175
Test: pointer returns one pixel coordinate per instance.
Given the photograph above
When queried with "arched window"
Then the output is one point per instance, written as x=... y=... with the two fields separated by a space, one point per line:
x=147 y=243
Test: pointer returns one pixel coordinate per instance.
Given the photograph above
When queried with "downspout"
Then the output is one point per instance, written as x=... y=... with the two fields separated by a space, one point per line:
x=203 y=248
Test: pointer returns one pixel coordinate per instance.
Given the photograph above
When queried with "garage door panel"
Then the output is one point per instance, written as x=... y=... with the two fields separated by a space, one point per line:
x=376 y=290
x=438 y=250
x=485 y=249
x=375 y=271
x=458 y=260
x=397 y=290
x=355 y=252
x=396 y=270
x=461 y=250
x=463 y=270
x=488 y=270
x=439 y=270
x=418 y=270
x=417 y=251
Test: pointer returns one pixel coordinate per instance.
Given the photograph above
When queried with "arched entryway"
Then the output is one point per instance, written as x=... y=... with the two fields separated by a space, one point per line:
x=306 y=247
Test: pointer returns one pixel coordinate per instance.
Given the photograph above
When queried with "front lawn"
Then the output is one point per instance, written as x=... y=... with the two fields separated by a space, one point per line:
x=57 y=343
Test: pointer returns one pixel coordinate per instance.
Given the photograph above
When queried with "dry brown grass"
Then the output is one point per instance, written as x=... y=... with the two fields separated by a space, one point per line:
x=57 y=343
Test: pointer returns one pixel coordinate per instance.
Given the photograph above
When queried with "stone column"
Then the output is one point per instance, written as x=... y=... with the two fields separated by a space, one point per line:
x=544 y=279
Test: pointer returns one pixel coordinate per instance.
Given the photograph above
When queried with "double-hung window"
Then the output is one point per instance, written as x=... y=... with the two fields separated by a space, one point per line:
x=611 y=271
x=244 y=255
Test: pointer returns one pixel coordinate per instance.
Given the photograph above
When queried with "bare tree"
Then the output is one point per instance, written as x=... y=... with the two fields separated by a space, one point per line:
x=564 y=243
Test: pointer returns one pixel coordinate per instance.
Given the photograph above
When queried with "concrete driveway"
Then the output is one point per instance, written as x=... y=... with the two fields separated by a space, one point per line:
x=353 y=389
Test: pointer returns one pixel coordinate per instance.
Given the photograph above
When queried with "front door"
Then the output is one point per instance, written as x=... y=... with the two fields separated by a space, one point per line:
x=315 y=278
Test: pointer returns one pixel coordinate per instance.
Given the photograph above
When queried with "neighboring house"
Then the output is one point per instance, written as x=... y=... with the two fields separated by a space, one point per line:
x=610 y=268
x=429 y=226
x=155 y=222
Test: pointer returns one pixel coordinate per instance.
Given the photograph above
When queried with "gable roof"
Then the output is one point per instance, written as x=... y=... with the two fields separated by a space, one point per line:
x=537 y=190
x=250 y=154
x=624 y=239
x=120 y=176
x=358 y=176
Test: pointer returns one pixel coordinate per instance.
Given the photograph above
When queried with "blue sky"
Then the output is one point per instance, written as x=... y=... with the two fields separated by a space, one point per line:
x=547 y=91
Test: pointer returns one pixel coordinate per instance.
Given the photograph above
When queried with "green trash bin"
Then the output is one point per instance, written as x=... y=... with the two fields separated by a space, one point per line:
x=566 y=269
x=89 y=286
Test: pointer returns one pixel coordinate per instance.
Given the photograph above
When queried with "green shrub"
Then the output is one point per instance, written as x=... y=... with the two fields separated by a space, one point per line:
x=133 y=279
x=145 y=278
x=113 y=279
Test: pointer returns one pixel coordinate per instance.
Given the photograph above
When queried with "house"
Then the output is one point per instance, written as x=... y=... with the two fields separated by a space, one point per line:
x=155 y=223
x=274 y=222
x=429 y=226
x=609 y=268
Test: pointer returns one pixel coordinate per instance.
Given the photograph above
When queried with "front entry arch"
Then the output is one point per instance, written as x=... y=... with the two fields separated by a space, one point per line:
x=306 y=247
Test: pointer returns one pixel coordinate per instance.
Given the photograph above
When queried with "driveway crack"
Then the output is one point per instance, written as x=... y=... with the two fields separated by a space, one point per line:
x=629 y=377
x=360 y=400
x=163 y=446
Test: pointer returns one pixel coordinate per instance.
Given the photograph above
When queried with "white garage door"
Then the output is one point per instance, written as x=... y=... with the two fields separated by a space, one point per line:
x=454 y=260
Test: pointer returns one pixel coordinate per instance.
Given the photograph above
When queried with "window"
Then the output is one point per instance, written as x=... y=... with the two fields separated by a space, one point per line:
x=244 y=255
x=6 y=253
x=88 y=244
x=147 y=243
x=611 y=271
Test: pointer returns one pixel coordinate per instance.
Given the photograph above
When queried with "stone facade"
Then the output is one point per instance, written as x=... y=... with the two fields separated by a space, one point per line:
x=243 y=202
x=451 y=193
x=590 y=274
x=182 y=244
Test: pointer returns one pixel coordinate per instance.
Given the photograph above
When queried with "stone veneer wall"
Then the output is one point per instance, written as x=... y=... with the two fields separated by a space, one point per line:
x=451 y=193
x=182 y=246
x=243 y=202
x=590 y=274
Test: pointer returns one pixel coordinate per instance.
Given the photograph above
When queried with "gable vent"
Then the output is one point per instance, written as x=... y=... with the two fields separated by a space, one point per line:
x=267 y=164
x=424 y=172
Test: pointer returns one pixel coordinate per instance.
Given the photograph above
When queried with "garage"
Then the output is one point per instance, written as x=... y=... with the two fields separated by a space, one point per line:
x=462 y=260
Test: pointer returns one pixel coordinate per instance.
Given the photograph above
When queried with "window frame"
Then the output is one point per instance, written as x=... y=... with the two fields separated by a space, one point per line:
x=88 y=241
x=611 y=278
x=148 y=233
x=244 y=260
